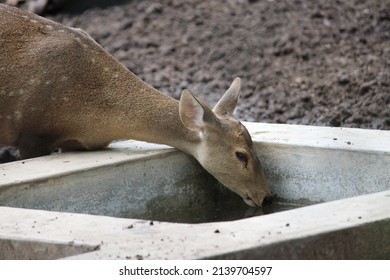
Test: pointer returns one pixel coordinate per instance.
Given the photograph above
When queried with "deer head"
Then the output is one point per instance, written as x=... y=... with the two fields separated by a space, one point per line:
x=226 y=149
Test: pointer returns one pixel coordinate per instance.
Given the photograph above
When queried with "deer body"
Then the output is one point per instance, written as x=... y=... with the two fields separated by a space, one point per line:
x=60 y=89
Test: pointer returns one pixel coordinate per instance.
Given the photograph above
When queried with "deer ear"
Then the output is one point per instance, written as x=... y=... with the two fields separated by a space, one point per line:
x=228 y=101
x=194 y=114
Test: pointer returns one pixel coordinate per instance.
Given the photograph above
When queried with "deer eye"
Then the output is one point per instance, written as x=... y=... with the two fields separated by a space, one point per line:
x=243 y=157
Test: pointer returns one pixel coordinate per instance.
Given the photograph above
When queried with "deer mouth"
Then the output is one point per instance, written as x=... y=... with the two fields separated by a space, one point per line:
x=250 y=202
x=265 y=202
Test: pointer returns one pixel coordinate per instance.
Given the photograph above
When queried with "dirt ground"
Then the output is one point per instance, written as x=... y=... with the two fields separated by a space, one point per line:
x=323 y=62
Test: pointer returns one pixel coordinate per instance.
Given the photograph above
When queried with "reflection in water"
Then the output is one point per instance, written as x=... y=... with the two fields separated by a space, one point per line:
x=199 y=198
x=227 y=209
x=231 y=213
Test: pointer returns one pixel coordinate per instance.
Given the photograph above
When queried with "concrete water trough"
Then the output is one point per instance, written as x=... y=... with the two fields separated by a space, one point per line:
x=143 y=201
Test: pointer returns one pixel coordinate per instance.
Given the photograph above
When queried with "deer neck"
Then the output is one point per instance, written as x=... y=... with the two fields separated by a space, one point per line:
x=148 y=115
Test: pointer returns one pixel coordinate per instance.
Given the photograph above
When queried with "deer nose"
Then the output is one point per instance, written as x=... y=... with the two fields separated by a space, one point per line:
x=264 y=201
x=268 y=200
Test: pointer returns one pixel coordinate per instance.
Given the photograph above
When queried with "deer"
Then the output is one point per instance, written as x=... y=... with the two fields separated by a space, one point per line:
x=59 y=89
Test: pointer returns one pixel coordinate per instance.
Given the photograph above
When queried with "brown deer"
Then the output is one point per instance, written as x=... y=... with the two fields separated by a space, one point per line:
x=60 y=90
